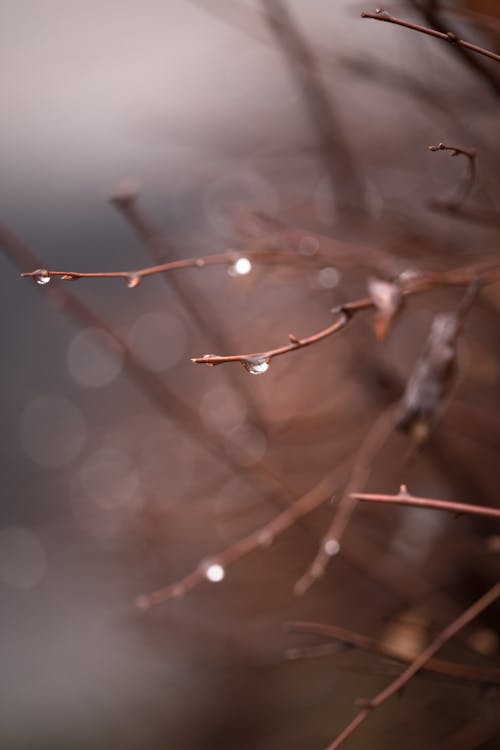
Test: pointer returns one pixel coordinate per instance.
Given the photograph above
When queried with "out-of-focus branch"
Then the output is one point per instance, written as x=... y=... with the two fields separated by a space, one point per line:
x=450 y=37
x=214 y=568
x=351 y=639
x=404 y=499
x=345 y=178
x=430 y=11
x=417 y=664
x=363 y=462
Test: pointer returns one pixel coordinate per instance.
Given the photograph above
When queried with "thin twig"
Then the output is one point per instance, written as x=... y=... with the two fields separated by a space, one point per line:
x=443 y=667
x=154 y=388
x=423 y=282
x=426 y=502
x=382 y=15
x=467 y=182
x=133 y=278
x=330 y=543
x=418 y=663
x=262 y=537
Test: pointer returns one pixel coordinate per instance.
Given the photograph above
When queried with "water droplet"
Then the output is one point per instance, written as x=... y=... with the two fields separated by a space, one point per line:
x=331 y=547
x=68 y=277
x=213 y=572
x=240 y=267
x=256 y=365
x=200 y=262
x=42 y=276
x=133 y=280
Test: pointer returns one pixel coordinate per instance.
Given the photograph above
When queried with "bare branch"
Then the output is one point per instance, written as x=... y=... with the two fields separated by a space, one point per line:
x=214 y=567
x=467 y=182
x=382 y=15
x=404 y=499
x=346 y=637
x=330 y=543
x=339 y=158
x=417 y=664
x=487 y=273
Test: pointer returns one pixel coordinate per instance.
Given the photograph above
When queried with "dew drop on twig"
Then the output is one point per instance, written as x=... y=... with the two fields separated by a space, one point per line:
x=240 y=267
x=42 y=276
x=256 y=365
x=133 y=280
x=212 y=571
x=331 y=547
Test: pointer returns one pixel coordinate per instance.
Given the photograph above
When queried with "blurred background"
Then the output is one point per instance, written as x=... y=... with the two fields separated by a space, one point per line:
x=224 y=125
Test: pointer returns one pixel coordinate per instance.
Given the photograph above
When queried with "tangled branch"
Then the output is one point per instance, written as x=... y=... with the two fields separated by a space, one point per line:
x=344 y=637
x=417 y=664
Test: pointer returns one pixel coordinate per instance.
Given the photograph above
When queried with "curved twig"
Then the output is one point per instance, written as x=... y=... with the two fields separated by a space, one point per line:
x=487 y=273
x=467 y=182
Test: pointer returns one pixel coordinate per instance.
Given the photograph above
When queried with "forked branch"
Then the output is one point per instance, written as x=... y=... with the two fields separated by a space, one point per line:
x=417 y=664
x=349 y=638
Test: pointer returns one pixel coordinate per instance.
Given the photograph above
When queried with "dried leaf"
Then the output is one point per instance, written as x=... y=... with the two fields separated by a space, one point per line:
x=387 y=299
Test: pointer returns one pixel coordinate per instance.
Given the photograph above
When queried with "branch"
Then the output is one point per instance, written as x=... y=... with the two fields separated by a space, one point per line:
x=330 y=543
x=419 y=663
x=258 y=362
x=134 y=278
x=382 y=15
x=404 y=499
x=371 y=645
x=343 y=169
x=466 y=184
x=214 y=568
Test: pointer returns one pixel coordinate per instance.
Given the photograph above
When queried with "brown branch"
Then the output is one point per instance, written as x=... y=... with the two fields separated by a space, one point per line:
x=442 y=667
x=382 y=15
x=343 y=169
x=466 y=184
x=262 y=537
x=429 y=9
x=196 y=303
x=426 y=502
x=153 y=387
x=330 y=543
x=418 y=663
x=134 y=278
x=487 y=273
